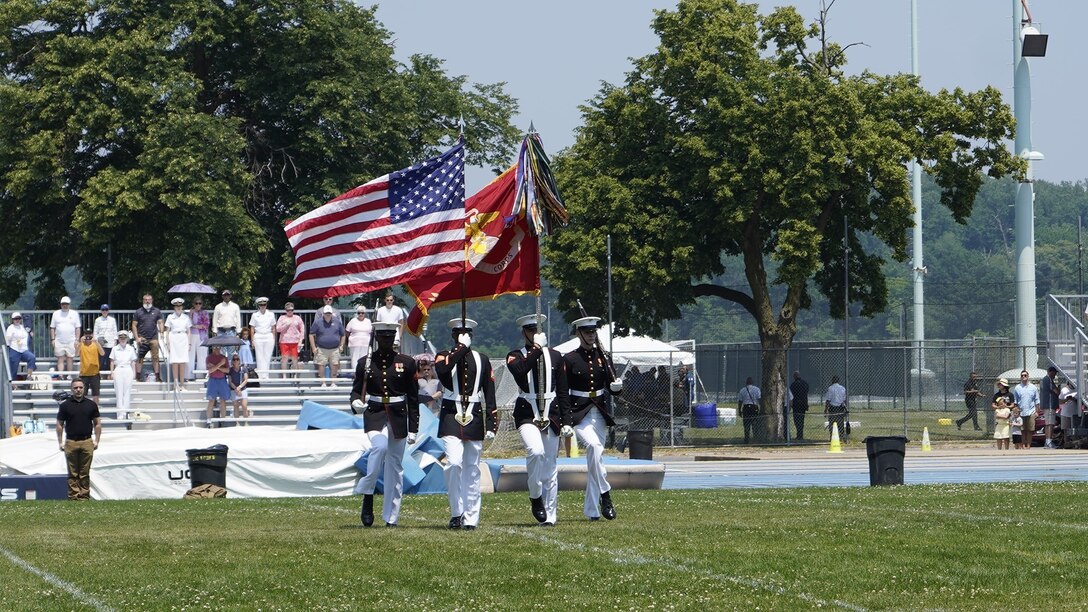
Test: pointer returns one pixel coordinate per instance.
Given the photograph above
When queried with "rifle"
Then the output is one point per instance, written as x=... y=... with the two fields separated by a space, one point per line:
x=597 y=343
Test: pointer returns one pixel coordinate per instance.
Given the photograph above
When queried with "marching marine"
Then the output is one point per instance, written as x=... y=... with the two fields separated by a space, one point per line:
x=386 y=392
x=541 y=414
x=468 y=417
x=592 y=380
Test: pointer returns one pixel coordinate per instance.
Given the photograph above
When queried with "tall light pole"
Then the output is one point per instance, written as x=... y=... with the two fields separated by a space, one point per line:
x=1027 y=42
x=916 y=198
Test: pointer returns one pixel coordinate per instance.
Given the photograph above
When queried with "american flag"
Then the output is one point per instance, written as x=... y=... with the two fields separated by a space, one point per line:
x=403 y=226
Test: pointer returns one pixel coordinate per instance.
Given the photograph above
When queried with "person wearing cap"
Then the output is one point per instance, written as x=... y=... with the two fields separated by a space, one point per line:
x=146 y=329
x=198 y=335
x=970 y=398
x=64 y=332
x=1002 y=398
x=292 y=333
x=541 y=414
x=177 y=328
x=123 y=371
x=327 y=342
x=90 y=365
x=386 y=393
x=358 y=330
x=105 y=331
x=468 y=417
x=78 y=420
x=262 y=329
x=591 y=377
x=1048 y=402
x=237 y=379
x=227 y=319
x=18 y=340
x=389 y=312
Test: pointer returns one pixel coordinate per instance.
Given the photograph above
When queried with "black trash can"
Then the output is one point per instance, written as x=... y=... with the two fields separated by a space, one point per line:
x=640 y=443
x=208 y=465
x=886 y=459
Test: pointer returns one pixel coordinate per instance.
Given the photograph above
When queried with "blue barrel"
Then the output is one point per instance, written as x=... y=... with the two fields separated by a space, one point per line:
x=706 y=415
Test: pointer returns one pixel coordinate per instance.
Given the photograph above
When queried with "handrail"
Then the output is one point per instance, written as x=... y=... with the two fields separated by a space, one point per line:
x=1055 y=298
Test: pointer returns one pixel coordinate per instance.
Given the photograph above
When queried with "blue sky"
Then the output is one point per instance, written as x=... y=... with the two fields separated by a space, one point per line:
x=554 y=55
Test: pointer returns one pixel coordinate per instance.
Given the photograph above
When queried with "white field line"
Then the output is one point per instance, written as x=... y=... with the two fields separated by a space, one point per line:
x=629 y=556
x=56 y=581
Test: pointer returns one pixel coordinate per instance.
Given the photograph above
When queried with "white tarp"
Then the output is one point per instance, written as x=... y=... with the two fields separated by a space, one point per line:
x=641 y=351
x=262 y=461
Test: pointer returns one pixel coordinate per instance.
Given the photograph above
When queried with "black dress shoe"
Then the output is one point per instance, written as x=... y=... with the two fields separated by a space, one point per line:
x=539 y=513
x=455 y=523
x=594 y=518
x=469 y=527
x=607 y=509
x=547 y=524
x=367 y=515
x=390 y=524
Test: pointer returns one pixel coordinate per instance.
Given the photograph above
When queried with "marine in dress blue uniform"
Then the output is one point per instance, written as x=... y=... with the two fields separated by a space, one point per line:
x=468 y=417
x=541 y=414
x=386 y=392
x=589 y=374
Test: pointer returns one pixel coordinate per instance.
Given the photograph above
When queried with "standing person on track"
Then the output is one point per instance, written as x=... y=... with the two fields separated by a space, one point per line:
x=541 y=437
x=836 y=410
x=386 y=393
x=468 y=417
x=970 y=398
x=799 y=403
x=591 y=380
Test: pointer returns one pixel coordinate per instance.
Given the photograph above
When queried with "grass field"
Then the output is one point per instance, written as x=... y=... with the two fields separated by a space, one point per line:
x=948 y=547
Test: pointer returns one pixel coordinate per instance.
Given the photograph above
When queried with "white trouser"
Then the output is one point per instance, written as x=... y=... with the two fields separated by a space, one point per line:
x=386 y=458
x=357 y=353
x=198 y=356
x=262 y=352
x=591 y=432
x=463 y=477
x=541 y=450
x=122 y=384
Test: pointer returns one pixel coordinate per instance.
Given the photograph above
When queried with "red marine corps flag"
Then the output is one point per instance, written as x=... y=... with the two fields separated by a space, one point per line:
x=503 y=255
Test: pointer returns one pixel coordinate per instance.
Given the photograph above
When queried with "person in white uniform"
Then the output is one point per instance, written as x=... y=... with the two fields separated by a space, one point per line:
x=123 y=372
x=541 y=414
x=592 y=380
x=468 y=417
x=177 y=327
x=105 y=331
x=262 y=331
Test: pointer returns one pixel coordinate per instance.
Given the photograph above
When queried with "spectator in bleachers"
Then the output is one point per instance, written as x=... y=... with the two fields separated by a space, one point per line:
x=327 y=343
x=198 y=334
x=430 y=389
x=359 y=330
x=105 y=331
x=177 y=328
x=262 y=330
x=291 y=330
x=123 y=372
x=237 y=378
x=146 y=328
x=389 y=312
x=18 y=340
x=227 y=318
x=64 y=331
x=245 y=349
x=218 y=389
x=90 y=365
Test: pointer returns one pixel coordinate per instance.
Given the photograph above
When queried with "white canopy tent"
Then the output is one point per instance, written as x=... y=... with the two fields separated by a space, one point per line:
x=641 y=351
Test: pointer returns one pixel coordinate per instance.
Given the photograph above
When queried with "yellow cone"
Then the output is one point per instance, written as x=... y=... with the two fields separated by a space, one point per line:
x=836 y=445
x=925 y=440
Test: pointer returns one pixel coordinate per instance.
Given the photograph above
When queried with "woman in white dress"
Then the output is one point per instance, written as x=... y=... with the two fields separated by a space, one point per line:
x=359 y=330
x=123 y=372
x=177 y=328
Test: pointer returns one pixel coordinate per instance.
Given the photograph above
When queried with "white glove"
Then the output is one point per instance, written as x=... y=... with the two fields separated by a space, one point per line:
x=540 y=339
x=411 y=439
x=465 y=339
x=489 y=435
x=566 y=431
x=357 y=405
x=615 y=386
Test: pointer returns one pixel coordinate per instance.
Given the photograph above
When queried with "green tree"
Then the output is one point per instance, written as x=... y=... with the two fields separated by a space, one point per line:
x=182 y=134
x=737 y=138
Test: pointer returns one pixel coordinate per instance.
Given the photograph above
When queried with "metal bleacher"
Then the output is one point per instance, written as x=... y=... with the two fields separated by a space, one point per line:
x=276 y=402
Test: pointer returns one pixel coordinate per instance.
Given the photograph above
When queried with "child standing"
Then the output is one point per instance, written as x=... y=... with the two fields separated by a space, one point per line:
x=1001 y=429
x=1017 y=425
x=238 y=378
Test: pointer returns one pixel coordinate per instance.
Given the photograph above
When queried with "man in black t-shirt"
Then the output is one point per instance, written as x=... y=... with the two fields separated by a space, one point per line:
x=78 y=418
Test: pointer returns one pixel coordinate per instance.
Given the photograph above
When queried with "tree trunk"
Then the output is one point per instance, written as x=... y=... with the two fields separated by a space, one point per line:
x=774 y=351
